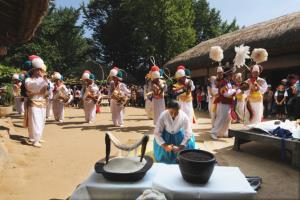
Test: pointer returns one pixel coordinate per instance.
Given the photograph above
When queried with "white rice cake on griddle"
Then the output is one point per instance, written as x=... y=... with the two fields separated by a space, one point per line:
x=124 y=165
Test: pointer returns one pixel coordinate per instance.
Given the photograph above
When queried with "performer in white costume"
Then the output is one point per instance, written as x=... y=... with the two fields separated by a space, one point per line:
x=119 y=94
x=157 y=93
x=224 y=103
x=257 y=87
x=36 y=88
x=240 y=98
x=183 y=90
x=212 y=92
x=19 y=100
x=91 y=96
x=60 y=97
x=148 y=102
x=49 y=109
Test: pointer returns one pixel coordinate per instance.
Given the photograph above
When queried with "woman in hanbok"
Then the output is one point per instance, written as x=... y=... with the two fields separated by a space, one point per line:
x=91 y=96
x=60 y=96
x=19 y=100
x=36 y=88
x=173 y=133
x=119 y=94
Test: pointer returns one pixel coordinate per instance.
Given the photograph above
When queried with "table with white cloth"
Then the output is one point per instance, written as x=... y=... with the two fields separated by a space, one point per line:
x=225 y=183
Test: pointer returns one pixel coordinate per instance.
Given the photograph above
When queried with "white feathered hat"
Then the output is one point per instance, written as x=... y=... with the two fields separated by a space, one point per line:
x=238 y=75
x=155 y=72
x=38 y=63
x=57 y=76
x=86 y=75
x=15 y=76
x=180 y=72
x=220 y=69
x=113 y=72
x=256 y=68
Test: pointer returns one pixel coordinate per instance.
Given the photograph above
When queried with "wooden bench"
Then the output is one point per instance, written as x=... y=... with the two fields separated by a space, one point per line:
x=244 y=136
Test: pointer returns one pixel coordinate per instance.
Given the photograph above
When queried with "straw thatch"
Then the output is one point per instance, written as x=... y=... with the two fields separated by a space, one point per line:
x=279 y=36
x=19 y=19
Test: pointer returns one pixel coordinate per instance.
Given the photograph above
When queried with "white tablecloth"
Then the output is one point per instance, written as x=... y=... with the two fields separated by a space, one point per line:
x=225 y=182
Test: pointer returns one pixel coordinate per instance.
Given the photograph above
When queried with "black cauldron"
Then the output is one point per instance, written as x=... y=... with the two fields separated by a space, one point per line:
x=196 y=166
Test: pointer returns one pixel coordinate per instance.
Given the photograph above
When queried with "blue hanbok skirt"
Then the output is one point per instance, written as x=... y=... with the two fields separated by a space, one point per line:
x=162 y=156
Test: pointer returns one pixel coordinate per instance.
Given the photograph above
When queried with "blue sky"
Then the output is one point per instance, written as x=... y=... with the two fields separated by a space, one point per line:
x=246 y=12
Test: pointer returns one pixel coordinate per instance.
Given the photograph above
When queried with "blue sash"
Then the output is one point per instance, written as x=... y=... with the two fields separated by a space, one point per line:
x=162 y=156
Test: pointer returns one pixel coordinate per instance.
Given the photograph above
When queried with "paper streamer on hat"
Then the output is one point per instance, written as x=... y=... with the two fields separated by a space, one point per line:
x=216 y=53
x=242 y=53
x=259 y=55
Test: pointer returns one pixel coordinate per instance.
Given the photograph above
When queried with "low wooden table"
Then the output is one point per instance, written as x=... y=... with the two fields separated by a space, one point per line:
x=244 y=136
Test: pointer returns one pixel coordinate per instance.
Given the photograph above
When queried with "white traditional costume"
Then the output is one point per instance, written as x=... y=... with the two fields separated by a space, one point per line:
x=19 y=100
x=257 y=87
x=119 y=94
x=36 y=88
x=184 y=92
x=158 y=89
x=90 y=97
x=60 y=95
x=224 y=104
x=240 y=96
x=49 y=109
x=148 y=102
x=212 y=92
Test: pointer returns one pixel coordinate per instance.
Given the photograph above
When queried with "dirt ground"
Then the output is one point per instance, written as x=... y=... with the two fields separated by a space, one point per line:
x=71 y=149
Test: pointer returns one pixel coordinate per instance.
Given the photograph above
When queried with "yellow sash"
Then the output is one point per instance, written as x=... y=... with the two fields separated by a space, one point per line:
x=255 y=96
x=240 y=97
x=184 y=97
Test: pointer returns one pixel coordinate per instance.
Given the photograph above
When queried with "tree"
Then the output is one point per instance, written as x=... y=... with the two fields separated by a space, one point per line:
x=208 y=23
x=58 y=41
x=128 y=32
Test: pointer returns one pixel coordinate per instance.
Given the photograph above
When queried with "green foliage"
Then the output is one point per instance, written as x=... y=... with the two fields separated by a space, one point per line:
x=208 y=23
x=6 y=73
x=58 y=40
x=127 y=32
x=7 y=97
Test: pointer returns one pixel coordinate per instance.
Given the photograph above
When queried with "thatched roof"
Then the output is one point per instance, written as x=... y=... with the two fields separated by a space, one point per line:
x=279 y=36
x=19 y=19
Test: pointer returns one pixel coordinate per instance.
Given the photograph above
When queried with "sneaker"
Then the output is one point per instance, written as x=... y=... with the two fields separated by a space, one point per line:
x=42 y=141
x=213 y=136
x=37 y=144
x=90 y=122
x=60 y=121
x=122 y=125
